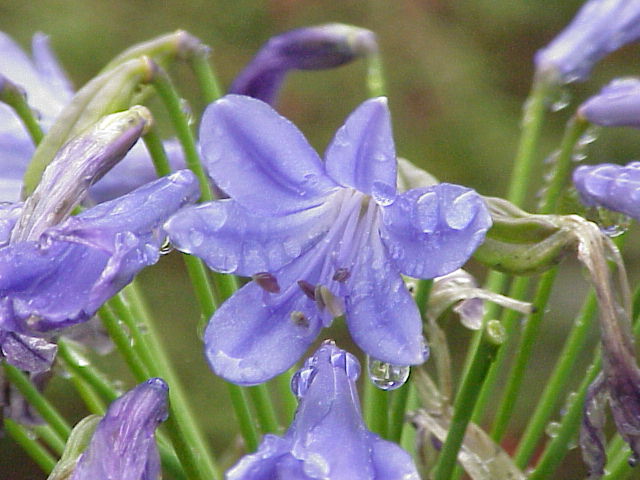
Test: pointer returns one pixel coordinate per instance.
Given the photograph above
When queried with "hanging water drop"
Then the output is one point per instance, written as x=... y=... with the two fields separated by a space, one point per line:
x=561 y=101
x=187 y=111
x=612 y=224
x=552 y=429
x=385 y=375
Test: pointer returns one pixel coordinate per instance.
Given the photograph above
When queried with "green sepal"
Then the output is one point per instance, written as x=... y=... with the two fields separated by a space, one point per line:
x=520 y=243
x=77 y=443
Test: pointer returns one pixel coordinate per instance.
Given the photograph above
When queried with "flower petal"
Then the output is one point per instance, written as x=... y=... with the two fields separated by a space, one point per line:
x=231 y=239
x=260 y=158
x=381 y=314
x=264 y=464
x=31 y=354
x=50 y=70
x=432 y=231
x=362 y=154
x=391 y=462
x=76 y=266
x=123 y=445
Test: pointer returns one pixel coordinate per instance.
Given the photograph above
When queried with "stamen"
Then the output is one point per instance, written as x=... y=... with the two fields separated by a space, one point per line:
x=307 y=289
x=300 y=319
x=342 y=275
x=267 y=282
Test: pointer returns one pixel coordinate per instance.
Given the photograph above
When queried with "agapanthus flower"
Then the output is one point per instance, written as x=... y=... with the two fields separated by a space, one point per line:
x=320 y=239
x=123 y=445
x=612 y=186
x=57 y=270
x=48 y=91
x=310 y=48
x=616 y=105
x=328 y=438
x=599 y=28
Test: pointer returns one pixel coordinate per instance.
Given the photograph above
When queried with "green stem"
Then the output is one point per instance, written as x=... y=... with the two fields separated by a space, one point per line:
x=559 y=446
x=558 y=379
x=265 y=412
x=205 y=76
x=376 y=409
x=375 y=76
x=31 y=394
x=37 y=452
x=173 y=104
x=156 y=151
x=50 y=437
x=90 y=398
x=243 y=415
x=408 y=436
x=12 y=96
x=525 y=347
x=463 y=406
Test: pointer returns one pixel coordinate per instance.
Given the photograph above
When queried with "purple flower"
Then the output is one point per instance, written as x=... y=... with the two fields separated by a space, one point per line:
x=617 y=105
x=49 y=91
x=311 y=48
x=320 y=238
x=327 y=438
x=123 y=445
x=615 y=187
x=599 y=28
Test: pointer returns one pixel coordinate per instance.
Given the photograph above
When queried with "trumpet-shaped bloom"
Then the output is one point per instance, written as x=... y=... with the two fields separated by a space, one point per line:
x=123 y=445
x=599 y=28
x=310 y=48
x=320 y=238
x=616 y=105
x=74 y=267
x=615 y=187
x=328 y=438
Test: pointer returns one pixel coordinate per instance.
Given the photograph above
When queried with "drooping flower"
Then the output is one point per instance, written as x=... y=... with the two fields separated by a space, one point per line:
x=599 y=28
x=616 y=105
x=57 y=271
x=328 y=438
x=123 y=445
x=320 y=238
x=310 y=48
x=612 y=186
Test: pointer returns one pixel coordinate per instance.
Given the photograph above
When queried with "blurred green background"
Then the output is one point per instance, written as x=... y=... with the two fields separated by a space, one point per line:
x=458 y=72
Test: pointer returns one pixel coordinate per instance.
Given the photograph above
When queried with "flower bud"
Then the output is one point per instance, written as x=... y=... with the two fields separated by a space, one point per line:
x=616 y=105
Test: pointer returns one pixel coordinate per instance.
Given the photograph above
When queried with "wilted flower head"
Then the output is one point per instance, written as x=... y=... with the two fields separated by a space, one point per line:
x=616 y=105
x=123 y=445
x=328 y=438
x=310 y=48
x=599 y=28
x=615 y=187
x=320 y=238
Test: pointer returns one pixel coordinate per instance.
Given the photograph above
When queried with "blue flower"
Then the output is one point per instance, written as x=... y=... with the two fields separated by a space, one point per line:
x=615 y=187
x=599 y=28
x=327 y=438
x=48 y=91
x=310 y=48
x=123 y=445
x=320 y=238
x=616 y=105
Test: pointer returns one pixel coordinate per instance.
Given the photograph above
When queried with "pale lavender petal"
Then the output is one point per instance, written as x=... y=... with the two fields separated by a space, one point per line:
x=599 y=28
x=260 y=158
x=616 y=105
x=265 y=463
x=123 y=445
x=381 y=314
x=231 y=239
x=76 y=266
x=9 y=214
x=432 y=231
x=615 y=187
x=362 y=154
x=391 y=462
x=49 y=68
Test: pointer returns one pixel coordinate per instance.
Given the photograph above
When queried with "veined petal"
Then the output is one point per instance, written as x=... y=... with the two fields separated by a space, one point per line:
x=432 y=231
x=260 y=158
x=381 y=314
x=123 y=445
x=31 y=354
x=231 y=239
x=246 y=338
x=78 y=265
x=362 y=154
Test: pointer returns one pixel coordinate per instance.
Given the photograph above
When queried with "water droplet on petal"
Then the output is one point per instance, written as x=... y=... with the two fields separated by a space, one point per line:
x=166 y=247
x=301 y=380
x=387 y=376
x=427 y=212
x=382 y=193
